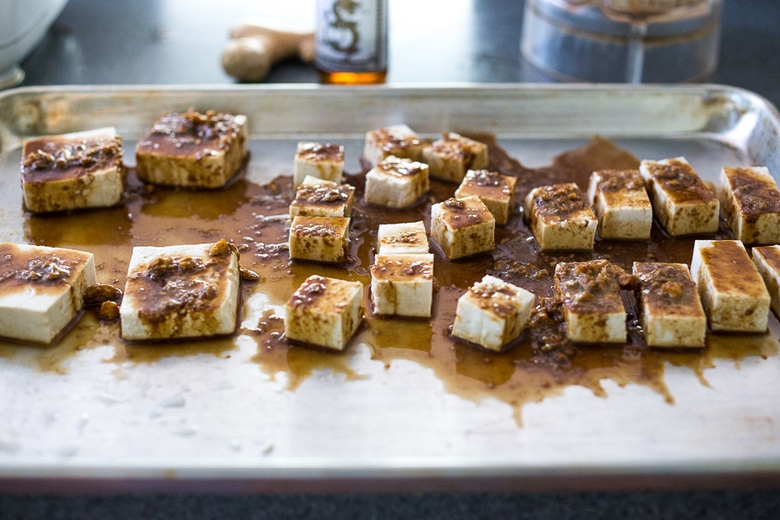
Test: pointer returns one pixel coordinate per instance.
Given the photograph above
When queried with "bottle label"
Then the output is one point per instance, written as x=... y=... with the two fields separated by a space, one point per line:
x=351 y=35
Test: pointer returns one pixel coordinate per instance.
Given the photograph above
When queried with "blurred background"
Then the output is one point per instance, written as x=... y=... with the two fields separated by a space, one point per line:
x=180 y=42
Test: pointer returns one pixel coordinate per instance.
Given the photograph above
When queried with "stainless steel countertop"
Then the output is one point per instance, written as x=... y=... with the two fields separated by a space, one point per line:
x=179 y=42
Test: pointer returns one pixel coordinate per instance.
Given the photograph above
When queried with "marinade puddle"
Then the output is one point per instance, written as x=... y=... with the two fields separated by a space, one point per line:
x=539 y=364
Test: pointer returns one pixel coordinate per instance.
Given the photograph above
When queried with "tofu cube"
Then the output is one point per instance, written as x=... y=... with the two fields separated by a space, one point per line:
x=731 y=289
x=322 y=160
x=324 y=312
x=621 y=205
x=671 y=310
x=492 y=313
x=396 y=182
x=321 y=239
x=495 y=190
x=560 y=217
x=462 y=227
x=322 y=199
x=453 y=155
x=192 y=150
x=402 y=285
x=41 y=290
x=592 y=306
x=398 y=140
x=73 y=171
x=751 y=203
x=682 y=202
x=405 y=238
x=767 y=261
x=181 y=291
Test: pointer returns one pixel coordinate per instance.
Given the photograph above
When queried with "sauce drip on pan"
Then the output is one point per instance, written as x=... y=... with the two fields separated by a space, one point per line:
x=539 y=364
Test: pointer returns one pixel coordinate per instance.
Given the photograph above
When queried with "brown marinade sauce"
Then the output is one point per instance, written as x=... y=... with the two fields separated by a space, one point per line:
x=51 y=158
x=589 y=287
x=559 y=201
x=667 y=286
x=620 y=180
x=680 y=182
x=540 y=363
x=19 y=269
x=176 y=284
x=755 y=197
x=489 y=183
x=190 y=133
x=322 y=194
x=321 y=152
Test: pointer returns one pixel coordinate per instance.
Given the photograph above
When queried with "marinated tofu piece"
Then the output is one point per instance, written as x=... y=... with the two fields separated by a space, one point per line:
x=396 y=182
x=560 y=217
x=462 y=227
x=73 y=171
x=751 y=203
x=731 y=289
x=41 y=290
x=322 y=199
x=402 y=285
x=671 y=311
x=593 y=308
x=682 y=202
x=621 y=205
x=404 y=238
x=193 y=150
x=492 y=313
x=767 y=261
x=324 y=312
x=496 y=191
x=453 y=155
x=398 y=140
x=321 y=239
x=181 y=291
x=322 y=160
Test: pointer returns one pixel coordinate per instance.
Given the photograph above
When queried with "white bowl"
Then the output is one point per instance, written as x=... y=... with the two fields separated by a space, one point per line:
x=23 y=23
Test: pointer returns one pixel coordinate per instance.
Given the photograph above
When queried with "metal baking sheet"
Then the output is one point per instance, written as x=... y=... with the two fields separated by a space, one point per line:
x=216 y=421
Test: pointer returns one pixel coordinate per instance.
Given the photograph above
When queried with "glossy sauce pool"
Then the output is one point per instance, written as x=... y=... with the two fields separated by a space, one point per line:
x=540 y=363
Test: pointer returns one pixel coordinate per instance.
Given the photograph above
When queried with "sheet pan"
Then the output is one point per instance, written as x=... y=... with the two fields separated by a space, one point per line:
x=218 y=422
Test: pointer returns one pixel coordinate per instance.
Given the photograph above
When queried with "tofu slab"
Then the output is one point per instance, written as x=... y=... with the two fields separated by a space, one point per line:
x=322 y=160
x=731 y=289
x=396 y=182
x=463 y=227
x=402 y=285
x=619 y=200
x=402 y=238
x=767 y=261
x=193 y=149
x=73 y=171
x=593 y=307
x=682 y=202
x=181 y=291
x=751 y=203
x=41 y=290
x=671 y=311
x=451 y=156
x=496 y=191
x=560 y=217
x=397 y=140
x=492 y=313
x=320 y=239
x=324 y=312
x=322 y=199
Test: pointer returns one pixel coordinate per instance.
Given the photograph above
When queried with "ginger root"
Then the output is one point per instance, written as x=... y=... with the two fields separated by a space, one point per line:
x=256 y=45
